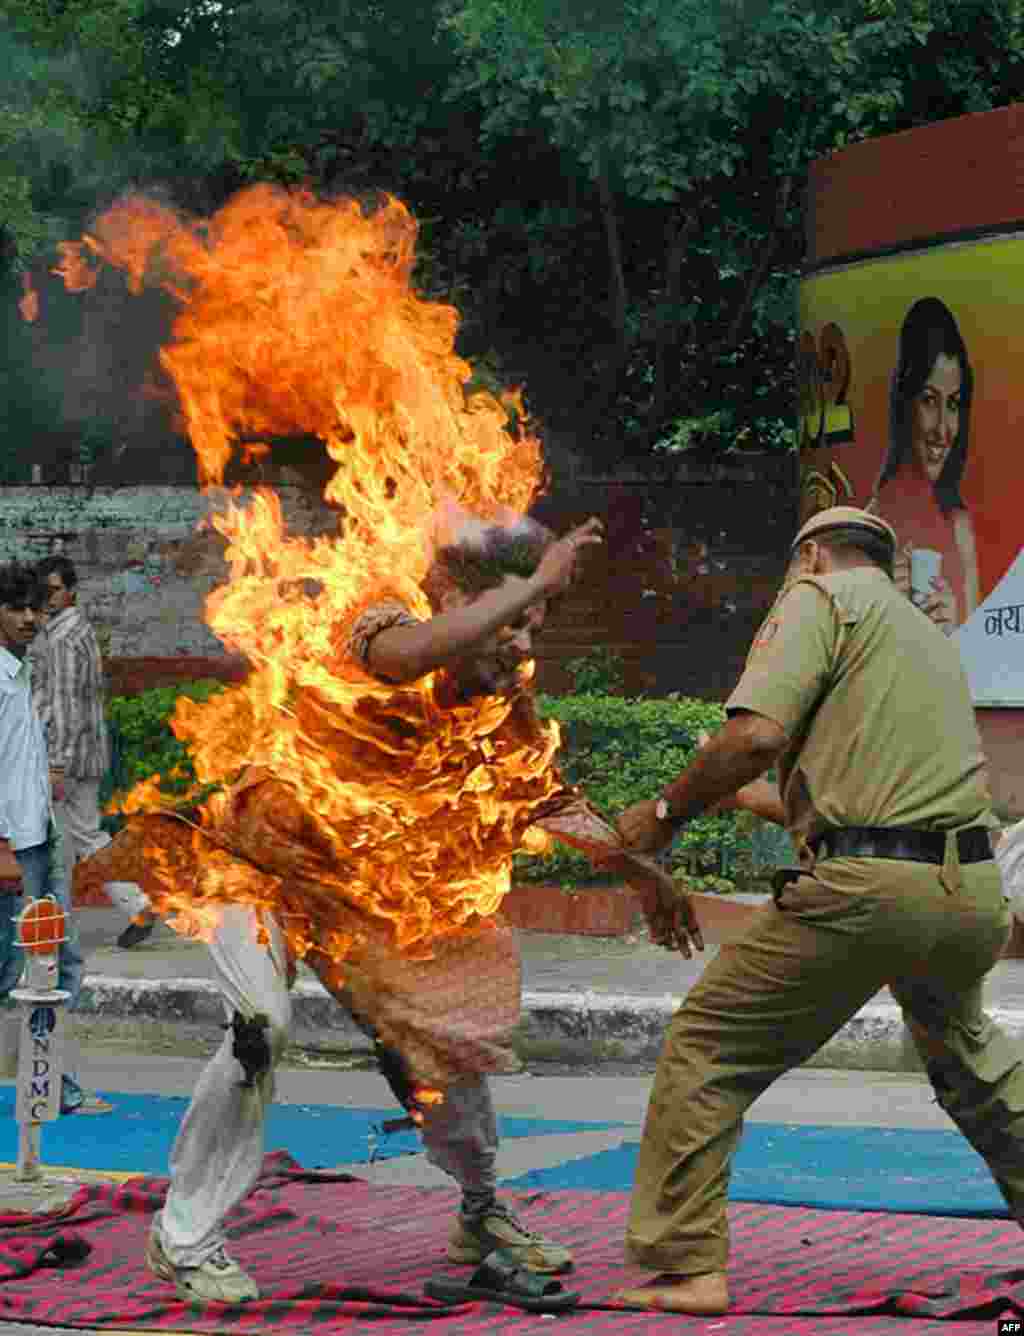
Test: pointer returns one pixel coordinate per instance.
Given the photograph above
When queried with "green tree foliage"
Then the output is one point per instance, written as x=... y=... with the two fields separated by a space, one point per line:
x=610 y=191
x=144 y=744
x=620 y=751
x=693 y=124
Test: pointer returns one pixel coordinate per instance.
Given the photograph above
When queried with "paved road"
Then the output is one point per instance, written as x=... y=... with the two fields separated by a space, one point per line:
x=551 y=961
x=837 y=1099
x=585 y=1000
x=842 y=1099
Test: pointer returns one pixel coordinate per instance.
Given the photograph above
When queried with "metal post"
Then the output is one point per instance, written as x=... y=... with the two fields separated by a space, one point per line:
x=28 y=1168
x=40 y=931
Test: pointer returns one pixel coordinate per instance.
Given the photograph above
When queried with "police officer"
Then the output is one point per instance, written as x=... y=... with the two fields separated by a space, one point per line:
x=862 y=705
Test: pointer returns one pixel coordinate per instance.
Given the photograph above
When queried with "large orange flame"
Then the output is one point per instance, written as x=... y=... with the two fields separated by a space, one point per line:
x=298 y=317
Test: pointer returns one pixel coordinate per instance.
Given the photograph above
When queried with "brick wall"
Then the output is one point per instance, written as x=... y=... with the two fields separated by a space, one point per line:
x=144 y=565
x=685 y=577
x=678 y=590
x=682 y=582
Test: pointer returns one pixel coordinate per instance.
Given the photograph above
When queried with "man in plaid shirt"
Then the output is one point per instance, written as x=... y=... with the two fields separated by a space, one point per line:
x=68 y=692
x=67 y=688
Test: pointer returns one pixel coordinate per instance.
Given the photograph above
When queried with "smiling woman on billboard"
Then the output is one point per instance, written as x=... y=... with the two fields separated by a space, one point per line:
x=918 y=489
x=911 y=344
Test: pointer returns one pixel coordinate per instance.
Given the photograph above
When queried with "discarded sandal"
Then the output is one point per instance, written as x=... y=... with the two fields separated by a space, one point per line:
x=500 y=1279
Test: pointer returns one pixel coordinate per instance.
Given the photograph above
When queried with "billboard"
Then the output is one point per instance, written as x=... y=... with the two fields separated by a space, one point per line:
x=912 y=404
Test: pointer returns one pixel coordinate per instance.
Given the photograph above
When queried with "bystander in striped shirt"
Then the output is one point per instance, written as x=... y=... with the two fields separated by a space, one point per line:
x=67 y=687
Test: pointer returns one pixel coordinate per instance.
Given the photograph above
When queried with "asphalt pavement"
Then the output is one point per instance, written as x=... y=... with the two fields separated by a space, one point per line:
x=586 y=1001
x=594 y=1008
x=558 y=1137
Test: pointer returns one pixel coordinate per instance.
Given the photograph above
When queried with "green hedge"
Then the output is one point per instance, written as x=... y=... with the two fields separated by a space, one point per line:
x=142 y=743
x=617 y=749
x=620 y=750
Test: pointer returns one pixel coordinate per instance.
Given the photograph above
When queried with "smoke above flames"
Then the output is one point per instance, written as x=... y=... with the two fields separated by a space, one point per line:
x=297 y=316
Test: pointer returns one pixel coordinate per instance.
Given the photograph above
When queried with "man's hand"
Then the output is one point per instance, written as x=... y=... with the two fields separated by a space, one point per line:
x=57 y=783
x=761 y=798
x=670 y=915
x=642 y=831
x=557 y=567
x=671 y=918
x=673 y=927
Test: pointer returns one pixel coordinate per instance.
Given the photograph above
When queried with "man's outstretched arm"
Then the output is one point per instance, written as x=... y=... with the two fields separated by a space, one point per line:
x=411 y=649
x=761 y=797
x=738 y=754
x=405 y=652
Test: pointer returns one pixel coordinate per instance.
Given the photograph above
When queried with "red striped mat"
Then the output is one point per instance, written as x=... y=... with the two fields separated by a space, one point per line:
x=338 y=1255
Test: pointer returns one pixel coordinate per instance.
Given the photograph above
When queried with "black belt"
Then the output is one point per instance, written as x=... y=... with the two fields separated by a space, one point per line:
x=904 y=842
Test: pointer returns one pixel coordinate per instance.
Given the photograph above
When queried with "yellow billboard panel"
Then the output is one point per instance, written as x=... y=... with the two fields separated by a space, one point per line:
x=912 y=403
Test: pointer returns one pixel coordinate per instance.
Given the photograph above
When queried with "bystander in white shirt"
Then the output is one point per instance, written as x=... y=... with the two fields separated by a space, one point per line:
x=24 y=772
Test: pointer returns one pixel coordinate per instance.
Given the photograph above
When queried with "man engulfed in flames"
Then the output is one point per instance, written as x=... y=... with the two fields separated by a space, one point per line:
x=361 y=795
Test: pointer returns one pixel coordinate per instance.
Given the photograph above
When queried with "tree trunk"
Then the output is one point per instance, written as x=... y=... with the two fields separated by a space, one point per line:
x=616 y=275
x=679 y=233
x=760 y=266
x=598 y=405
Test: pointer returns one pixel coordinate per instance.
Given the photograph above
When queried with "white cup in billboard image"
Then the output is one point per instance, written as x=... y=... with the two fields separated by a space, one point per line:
x=925 y=566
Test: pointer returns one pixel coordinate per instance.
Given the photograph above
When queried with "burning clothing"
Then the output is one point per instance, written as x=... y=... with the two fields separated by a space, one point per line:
x=396 y=916
x=373 y=824
x=376 y=822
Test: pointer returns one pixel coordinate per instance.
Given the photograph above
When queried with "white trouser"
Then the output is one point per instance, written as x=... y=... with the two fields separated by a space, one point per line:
x=78 y=815
x=217 y=1155
x=1010 y=857
x=127 y=896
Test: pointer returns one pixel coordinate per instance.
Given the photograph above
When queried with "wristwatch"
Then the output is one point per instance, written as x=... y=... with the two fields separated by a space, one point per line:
x=662 y=810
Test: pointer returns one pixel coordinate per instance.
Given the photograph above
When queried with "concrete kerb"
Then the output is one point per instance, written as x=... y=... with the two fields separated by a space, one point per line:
x=193 y=1010
x=583 y=1026
x=571 y=1027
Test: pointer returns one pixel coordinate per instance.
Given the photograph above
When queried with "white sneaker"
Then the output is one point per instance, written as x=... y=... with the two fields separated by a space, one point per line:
x=219 y=1279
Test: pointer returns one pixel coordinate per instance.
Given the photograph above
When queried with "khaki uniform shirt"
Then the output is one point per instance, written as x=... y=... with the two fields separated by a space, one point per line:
x=876 y=705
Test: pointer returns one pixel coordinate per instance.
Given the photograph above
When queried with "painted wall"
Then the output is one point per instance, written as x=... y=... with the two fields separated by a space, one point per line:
x=145 y=563
x=688 y=572
x=686 y=576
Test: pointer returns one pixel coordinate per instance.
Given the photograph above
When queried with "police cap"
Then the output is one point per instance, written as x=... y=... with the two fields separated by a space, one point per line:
x=844 y=517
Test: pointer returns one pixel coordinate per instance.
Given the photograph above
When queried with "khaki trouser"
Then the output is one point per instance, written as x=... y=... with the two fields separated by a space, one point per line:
x=771 y=999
